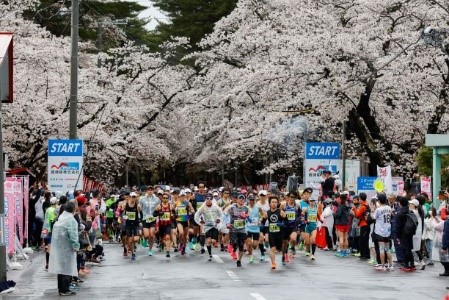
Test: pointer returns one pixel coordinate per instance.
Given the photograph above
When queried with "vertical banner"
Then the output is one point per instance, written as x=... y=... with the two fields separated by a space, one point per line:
x=65 y=165
x=26 y=203
x=10 y=232
x=384 y=174
x=426 y=186
x=18 y=195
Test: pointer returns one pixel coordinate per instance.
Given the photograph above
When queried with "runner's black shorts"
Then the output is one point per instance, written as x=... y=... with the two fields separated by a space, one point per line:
x=264 y=229
x=253 y=235
x=381 y=239
x=132 y=230
x=164 y=230
x=212 y=233
x=275 y=239
x=148 y=225
x=238 y=238
x=288 y=231
x=183 y=223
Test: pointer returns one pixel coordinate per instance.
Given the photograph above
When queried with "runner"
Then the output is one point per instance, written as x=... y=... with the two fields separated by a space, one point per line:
x=310 y=217
x=148 y=204
x=164 y=212
x=210 y=216
x=238 y=213
x=275 y=218
x=223 y=231
x=263 y=203
x=293 y=213
x=183 y=210
x=132 y=215
x=254 y=237
x=197 y=201
x=303 y=204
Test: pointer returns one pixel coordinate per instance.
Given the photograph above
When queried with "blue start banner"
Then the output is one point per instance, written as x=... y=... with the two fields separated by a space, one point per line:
x=323 y=151
x=65 y=147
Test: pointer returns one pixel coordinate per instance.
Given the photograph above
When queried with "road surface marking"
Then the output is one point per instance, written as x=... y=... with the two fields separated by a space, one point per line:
x=233 y=276
x=257 y=296
x=217 y=259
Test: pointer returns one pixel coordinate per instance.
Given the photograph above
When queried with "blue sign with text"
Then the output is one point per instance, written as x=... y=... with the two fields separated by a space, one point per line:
x=65 y=147
x=365 y=183
x=322 y=151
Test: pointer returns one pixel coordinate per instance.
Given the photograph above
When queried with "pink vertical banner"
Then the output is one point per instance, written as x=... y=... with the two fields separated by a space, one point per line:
x=10 y=232
x=18 y=195
x=26 y=203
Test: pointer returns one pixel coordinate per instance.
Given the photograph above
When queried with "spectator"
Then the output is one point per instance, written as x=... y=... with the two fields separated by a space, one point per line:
x=406 y=240
x=65 y=246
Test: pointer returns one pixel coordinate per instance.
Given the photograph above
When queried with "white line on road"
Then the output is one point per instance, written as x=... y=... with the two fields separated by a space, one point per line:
x=257 y=296
x=217 y=259
x=233 y=276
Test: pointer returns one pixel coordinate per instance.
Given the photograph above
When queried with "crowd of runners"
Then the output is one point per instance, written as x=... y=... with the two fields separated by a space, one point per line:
x=259 y=225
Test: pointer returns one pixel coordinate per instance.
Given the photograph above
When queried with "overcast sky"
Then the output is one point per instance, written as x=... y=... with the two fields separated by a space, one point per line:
x=150 y=12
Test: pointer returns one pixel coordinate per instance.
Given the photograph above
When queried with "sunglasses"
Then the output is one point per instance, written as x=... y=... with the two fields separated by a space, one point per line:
x=164 y=197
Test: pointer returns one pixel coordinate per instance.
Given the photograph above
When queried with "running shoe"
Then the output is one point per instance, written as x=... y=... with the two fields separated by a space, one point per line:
x=203 y=251
x=372 y=262
x=125 y=252
x=239 y=263
x=210 y=258
x=312 y=257
x=287 y=259
x=356 y=254
x=168 y=254
x=262 y=258
x=391 y=268
x=307 y=253
x=233 y=255
x=381 y=268
x=326 y=249
x=216 y=245
x=293 y=251
x=339 y=254
x=273 y=266
x=150 y=253
x=175 y=249
x=191 y=246
x=251 y=259
x=133 y=256
x=69 y=293
x=283 y=260
x=198 y=247
x=230 y=248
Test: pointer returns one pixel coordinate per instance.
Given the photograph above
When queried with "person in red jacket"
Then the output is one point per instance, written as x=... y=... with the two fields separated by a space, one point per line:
x=360 y=213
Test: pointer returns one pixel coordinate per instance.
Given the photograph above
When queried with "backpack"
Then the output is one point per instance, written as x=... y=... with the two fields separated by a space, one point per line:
x=411 y=224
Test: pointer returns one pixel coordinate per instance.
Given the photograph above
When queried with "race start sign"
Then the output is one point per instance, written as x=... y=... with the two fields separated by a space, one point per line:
x=65 y=165
x=322 y=151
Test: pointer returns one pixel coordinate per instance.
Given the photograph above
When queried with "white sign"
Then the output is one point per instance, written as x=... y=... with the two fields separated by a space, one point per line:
x=384 y=174
x=65 y=165
x=313 y=169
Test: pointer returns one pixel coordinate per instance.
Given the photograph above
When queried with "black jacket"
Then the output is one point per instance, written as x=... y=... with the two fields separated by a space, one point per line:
x=342 y=215
x=401 y=219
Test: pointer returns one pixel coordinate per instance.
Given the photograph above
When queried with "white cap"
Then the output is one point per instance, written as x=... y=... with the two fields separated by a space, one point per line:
x=345 y=193
x=214 y=194
x=182 y=193
x=53 y=200
x=160 y=192
x=221 y=189
x=133 y=194
x=187 y=191
x=263 y=192
x=415 y=202
x=167 y=188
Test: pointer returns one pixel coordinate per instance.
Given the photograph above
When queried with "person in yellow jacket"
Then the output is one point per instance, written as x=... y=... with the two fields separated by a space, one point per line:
x=49 y=220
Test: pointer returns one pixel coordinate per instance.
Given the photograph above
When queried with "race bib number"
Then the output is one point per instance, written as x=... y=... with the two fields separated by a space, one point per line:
x=239 y=224
x=151 y=219
x=291 y=215
x=182 y=211
x=274 y=228
x=311 y=218
x=131 y=215
x=165 y=216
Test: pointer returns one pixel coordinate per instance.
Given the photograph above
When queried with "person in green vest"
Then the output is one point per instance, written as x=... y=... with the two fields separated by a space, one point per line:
x=49 y=220
x=111 y=205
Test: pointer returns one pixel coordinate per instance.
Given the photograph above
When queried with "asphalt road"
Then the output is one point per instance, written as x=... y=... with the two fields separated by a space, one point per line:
x=193 y=277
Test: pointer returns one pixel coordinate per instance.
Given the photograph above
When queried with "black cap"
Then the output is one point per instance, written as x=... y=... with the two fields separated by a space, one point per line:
x=234 y=194
x=308 y=190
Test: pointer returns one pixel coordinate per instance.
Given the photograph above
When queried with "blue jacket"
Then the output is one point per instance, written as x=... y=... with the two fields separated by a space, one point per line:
x=446 y=235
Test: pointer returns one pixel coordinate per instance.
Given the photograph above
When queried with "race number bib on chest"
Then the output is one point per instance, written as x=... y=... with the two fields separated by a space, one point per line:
x=151 y=219
x=274 y=228
x=165 y=216
x=131 y=215
x=239 y=224
x=291 y=215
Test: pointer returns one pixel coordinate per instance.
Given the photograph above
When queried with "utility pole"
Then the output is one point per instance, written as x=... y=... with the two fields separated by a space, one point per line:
x=74 y=72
